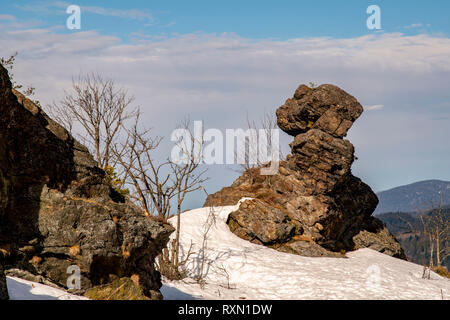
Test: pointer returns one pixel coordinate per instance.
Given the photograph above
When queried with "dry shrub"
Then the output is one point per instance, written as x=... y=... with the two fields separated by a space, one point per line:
x=442 y=271
x=168 y=264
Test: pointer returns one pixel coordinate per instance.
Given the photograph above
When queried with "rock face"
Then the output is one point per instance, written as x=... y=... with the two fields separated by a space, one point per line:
x=57 y=208
x=313 y=206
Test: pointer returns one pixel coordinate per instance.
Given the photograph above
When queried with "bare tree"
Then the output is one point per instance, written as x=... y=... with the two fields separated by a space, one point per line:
x=150 y=189
x=159 y=186
x=427 y=232
x=436 y=228
x=265 y=125
x=187 y=179
x=100 y=109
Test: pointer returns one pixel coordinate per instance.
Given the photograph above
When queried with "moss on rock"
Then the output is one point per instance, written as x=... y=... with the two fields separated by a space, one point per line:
x=118 y=289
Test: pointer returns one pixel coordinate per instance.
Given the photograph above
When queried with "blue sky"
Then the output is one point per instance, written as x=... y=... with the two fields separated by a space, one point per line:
x=252 y=19
x=221 y=61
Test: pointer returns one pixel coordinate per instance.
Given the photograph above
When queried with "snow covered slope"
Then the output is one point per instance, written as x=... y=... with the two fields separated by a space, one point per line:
x=238 y=269
x=20 y=289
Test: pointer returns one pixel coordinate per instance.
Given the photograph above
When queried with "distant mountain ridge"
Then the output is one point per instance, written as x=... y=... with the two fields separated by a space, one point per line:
x=408 y=198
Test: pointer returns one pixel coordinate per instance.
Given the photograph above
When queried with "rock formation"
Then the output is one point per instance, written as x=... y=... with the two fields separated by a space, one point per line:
x=313 y=206
x=57 y=208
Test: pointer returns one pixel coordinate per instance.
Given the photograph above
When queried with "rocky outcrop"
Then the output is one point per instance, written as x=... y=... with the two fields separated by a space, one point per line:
x=313 y=205
x=57 y=208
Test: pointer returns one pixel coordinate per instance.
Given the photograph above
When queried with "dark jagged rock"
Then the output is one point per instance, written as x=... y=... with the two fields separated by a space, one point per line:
x=57 y=208
x=329 y=208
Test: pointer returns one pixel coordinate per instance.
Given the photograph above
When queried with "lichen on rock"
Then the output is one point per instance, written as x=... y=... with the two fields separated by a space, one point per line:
x=330 y=209
x=119 y=289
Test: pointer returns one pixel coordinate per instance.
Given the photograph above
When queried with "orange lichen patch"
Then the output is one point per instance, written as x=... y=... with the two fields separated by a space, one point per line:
x=302 y=238
x=36 y=260
x=125 y=253
x=5 y=249
x=74 y=250
x=135 y=278
x=318 y=226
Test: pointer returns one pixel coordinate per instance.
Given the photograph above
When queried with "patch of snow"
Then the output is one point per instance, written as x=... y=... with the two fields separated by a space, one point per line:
x=237 y=269
x=20 y=289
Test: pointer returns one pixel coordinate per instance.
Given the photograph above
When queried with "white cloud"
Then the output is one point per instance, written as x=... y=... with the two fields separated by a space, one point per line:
x=206 y=71
x=374 y=107
x=7 y=17
x=127 y=14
